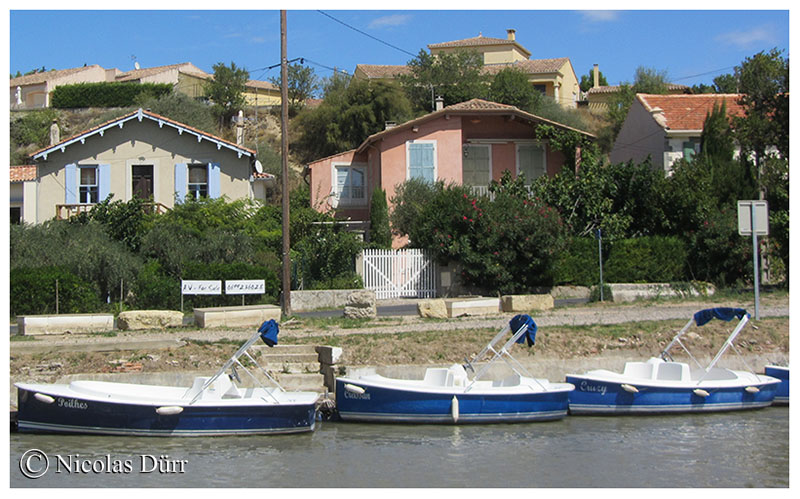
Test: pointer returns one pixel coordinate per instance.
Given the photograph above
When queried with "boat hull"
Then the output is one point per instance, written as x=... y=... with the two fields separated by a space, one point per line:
x=782 y=373
x=74 y=414
x=397 y=405
x=594 y=396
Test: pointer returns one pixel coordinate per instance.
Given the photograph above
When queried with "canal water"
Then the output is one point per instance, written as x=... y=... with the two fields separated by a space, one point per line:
x=737 y=449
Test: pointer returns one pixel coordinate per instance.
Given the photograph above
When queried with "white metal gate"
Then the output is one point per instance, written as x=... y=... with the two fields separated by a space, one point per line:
x=408 y=273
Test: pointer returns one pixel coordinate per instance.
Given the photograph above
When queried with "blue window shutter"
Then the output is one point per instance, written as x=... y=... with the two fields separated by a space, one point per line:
x=421 y=161
x=103 y=181
x=181 y=181
x=71 y=184
x=213 y=180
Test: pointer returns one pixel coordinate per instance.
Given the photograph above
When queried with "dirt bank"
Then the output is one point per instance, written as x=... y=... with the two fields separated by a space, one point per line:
x=586 y=331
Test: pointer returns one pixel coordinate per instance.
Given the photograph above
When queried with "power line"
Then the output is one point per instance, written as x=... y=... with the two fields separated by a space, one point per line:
x=366 y=34
x=703 y=74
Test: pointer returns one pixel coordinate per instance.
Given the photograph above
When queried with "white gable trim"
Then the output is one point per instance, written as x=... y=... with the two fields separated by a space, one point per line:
x=140 y=115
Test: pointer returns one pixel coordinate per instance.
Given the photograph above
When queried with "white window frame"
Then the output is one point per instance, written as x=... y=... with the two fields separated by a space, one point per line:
x=544 y=156
x=435 y=157
x=189 y=183
x=336 y=199
x=491 y=166
x=95 y=186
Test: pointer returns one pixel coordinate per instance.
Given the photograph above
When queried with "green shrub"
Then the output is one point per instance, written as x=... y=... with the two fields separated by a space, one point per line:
x=154 y=289
x=646 y=259
x=33 y=291
x=380 y=235
x=578 y=264
x=105 y=94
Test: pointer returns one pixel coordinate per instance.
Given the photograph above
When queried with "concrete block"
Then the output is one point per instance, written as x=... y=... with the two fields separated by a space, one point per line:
x=328 y=355
x=434 y=308
x=246 y=316
x=472 y=306
x=566 y=292
x=64 y=323
x=149 y=319
x=526 y=303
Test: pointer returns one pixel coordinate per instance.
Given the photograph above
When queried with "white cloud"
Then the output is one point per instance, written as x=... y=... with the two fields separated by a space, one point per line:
x=393 y=20
x=599 y=16
x=761 y=35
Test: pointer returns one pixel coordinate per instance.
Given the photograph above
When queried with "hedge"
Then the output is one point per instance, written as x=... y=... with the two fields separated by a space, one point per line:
x=33 y=292
x=642 y=259
x=106 y=94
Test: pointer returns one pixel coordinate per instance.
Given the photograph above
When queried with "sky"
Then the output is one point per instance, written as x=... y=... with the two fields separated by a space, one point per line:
x=691 y=46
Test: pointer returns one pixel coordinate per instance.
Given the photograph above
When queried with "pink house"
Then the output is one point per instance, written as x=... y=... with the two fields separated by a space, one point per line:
x=470 y=143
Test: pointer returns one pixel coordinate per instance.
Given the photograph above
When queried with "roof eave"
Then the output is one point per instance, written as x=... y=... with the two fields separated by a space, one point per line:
x=139 y=115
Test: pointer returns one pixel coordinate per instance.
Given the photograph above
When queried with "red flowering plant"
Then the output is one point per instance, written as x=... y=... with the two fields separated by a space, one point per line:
x=504 y=245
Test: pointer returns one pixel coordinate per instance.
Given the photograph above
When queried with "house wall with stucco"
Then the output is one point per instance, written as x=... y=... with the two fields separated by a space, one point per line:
x=140 y=143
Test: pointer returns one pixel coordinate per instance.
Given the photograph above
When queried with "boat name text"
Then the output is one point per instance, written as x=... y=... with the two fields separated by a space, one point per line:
x=358 y=396
x=72 y=404
x=586 y=387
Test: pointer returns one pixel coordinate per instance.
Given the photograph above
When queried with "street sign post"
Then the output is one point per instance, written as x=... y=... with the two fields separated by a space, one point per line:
x=754 y=221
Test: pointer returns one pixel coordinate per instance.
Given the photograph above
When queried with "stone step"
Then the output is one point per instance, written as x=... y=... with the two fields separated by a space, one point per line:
x=308 y=349
x=291 y=367
x=273 y=358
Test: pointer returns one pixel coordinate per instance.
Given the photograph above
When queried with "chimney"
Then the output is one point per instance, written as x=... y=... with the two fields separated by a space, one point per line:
x=512 y=34
x=240 y=129
x=596 y=74
x=55 y=133
x=388 y=125
x=439 y=103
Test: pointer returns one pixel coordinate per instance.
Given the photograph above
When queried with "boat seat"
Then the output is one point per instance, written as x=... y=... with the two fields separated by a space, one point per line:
x=673 y=371
x=221 y=388
x=456 y=376
x=641 y=370
x=436 y=376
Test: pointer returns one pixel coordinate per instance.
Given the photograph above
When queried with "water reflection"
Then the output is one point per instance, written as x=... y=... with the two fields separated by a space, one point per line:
x=710 y=450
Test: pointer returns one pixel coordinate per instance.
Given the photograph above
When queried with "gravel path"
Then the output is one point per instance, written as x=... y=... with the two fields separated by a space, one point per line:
x=574 y=316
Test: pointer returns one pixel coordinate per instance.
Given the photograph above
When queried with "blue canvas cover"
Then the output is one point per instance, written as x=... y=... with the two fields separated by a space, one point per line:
x=530 y=334
x=269 y=332
x=722 y=313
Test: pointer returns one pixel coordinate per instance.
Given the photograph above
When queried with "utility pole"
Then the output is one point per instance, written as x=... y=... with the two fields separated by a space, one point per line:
x=286 y=303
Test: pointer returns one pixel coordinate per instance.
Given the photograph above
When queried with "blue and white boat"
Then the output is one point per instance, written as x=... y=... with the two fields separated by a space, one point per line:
x=449 y=395
x=782 y=373
x=213 y=405
x=661 y=385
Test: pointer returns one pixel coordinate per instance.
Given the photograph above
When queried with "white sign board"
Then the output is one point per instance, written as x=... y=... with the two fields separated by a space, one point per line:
x=201 y=287
x=746 y=221
x=245 y=287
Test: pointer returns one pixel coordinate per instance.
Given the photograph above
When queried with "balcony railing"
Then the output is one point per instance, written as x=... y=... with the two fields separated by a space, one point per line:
x=67 y=211
x=483 y=190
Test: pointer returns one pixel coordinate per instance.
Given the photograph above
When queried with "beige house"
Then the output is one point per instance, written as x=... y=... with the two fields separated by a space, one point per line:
x=140 y=154
x=553 y=77
x=33 y=91
x=23 y=186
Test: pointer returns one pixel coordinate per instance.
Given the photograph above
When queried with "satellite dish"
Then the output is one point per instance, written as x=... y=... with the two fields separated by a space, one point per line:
x=259 y=168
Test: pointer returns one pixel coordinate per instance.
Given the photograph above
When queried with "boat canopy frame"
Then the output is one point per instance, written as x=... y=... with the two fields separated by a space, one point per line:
x=702 y=317
x=503 y=352
x=268 y=333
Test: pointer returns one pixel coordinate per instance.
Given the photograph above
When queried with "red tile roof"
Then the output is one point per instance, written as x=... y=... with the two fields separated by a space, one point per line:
x=530 y=66
x=138 y=74
x=44 y=76
x=23 y=173
x=470 y=107
x=688 y=112
x=382 y=71
x=610 y=89
x=478 y=41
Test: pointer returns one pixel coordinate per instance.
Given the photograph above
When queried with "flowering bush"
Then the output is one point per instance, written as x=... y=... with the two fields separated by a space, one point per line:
x=505 y=245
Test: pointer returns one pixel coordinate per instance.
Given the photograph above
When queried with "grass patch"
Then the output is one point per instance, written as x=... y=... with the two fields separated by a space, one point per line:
x=20 y=337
